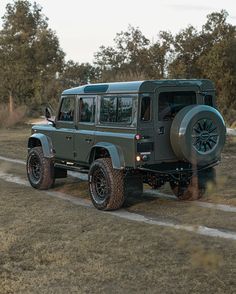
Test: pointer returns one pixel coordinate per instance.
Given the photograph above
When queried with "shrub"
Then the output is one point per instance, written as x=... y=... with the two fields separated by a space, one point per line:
x=8 y=119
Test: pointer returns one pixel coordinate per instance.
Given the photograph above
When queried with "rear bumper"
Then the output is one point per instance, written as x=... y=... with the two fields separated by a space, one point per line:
x=175 y=168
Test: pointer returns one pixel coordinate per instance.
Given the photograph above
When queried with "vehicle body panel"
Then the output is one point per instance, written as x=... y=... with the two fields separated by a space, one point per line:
x=75 y=141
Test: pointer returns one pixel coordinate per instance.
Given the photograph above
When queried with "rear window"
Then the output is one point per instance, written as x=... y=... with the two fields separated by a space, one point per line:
x=170 y=103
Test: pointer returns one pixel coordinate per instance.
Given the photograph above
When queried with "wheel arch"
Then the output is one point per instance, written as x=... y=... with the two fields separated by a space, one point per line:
x=44 y=141
x=114 y=152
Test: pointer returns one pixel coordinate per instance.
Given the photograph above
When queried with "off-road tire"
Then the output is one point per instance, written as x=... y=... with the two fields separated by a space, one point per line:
x=197 y=186
x=106 y=185
x=40 y=170
x=191 y=191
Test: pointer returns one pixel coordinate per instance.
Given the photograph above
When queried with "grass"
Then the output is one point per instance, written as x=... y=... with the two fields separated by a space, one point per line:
x=51 y=246
x=13 y=141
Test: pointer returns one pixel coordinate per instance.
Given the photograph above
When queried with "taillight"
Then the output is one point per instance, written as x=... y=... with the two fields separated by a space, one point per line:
x=138 y=137
x=138 y=158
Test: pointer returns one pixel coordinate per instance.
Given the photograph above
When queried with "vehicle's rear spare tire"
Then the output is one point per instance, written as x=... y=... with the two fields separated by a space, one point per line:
x=106 y=185
x=40 y=170
x=198 y=134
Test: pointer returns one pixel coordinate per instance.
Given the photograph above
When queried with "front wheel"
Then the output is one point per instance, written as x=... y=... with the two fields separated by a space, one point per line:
x=40 y=170
x=106 y=185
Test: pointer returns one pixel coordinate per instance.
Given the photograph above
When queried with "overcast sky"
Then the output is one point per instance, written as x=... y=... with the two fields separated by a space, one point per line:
x=83 y=26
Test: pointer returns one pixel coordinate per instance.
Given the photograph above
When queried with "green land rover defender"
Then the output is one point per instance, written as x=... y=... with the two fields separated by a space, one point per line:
x=129 y=133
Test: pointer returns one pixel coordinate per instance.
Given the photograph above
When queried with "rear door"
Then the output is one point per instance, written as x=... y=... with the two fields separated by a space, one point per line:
x=169 y=101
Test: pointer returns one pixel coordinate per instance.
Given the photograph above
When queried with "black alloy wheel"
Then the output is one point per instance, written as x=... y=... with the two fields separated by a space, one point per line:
x=205 y=135
x=40 y=170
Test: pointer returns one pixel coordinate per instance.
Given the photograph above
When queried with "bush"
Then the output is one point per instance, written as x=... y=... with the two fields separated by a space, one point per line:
x=8 y=119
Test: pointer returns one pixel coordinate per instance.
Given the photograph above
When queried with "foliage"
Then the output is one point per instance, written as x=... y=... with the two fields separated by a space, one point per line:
x=209 y=53
x=8 y=119
x=33 y=70
x=30 y=55
x=133 y=56
x=75 y=74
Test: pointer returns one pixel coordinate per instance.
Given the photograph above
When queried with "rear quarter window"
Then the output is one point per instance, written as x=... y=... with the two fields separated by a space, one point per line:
x=116 y=110
x=208 y=100
x=146 y=108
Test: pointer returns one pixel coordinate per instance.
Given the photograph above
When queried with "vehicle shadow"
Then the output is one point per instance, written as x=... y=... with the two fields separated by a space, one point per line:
x=147 y=196
x=79 y=188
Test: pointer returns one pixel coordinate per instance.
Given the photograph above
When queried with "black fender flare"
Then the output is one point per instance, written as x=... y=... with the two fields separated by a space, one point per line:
x=116 y=154
x=44 y=141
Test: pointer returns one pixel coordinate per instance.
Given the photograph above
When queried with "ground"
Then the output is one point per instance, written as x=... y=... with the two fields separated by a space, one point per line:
x=49 y=245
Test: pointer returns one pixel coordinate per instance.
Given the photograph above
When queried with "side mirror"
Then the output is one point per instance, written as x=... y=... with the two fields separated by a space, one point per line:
x=48 y=113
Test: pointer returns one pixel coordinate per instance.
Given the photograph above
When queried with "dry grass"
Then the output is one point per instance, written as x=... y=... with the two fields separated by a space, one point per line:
x=51 y=246
x=11 y=119
x=13 y=141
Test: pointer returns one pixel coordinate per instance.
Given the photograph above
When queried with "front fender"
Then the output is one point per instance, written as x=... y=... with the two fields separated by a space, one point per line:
x=44 y=141
x=115 y=152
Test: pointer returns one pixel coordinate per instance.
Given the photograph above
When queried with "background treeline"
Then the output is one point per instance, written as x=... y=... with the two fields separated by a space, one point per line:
x=33 y=70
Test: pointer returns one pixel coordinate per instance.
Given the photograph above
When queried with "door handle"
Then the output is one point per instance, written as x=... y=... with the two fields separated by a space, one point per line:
x=68 y=138
x=161 y=131
x=88 y=140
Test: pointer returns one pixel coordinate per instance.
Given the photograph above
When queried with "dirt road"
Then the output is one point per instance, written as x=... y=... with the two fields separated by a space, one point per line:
x=152 y=207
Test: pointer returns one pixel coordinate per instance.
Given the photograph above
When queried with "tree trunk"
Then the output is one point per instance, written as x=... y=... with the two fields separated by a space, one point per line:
x=11 y=104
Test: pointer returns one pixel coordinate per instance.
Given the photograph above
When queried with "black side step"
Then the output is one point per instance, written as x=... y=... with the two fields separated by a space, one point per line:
x=72 y=168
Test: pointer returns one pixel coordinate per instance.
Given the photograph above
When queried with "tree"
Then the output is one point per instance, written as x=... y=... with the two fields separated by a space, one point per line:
x=134 y=57
x=187 y=48
x=30 y=55
x=75 y=74
x=126 y=57
x=209 y=53
x=219 y=61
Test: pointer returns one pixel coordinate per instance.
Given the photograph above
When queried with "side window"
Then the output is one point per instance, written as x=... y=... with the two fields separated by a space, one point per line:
x=86 y=109
x=145 y=109
x=66 y=112
x=108 y=109
x=116 y=110
x=124 y=113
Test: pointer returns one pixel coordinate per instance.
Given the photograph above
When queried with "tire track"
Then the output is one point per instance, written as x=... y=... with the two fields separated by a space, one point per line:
x=200 y=230
x=154 y=193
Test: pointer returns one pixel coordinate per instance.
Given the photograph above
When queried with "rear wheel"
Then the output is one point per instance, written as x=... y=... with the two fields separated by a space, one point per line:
x=106 y=185
x=191 y=191
x=40 y=170
x=197 y=186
